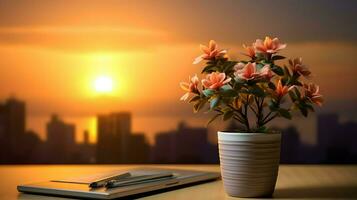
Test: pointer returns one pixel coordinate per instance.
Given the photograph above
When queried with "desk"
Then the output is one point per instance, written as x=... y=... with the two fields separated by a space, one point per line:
x=294 y=181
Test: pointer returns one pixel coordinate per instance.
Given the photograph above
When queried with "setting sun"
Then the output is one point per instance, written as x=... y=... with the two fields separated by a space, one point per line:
x=103 y=84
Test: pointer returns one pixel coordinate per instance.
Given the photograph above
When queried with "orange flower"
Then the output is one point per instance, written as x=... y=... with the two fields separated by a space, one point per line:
x=269 y=45
x=282 y=90
x=190 y=87
x=210 y=53
x=298 y=68
x=312 y=93
x=215 y=80
x=249 y=71
x=250 y=51
x=246 y=72
x=265 y=72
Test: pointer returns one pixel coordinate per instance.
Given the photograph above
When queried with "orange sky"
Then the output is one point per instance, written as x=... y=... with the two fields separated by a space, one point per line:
x=52 y=51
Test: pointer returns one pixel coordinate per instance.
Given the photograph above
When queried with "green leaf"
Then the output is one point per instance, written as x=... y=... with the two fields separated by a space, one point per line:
x=209 y=68
x=265 y=62
x=260 y=56
x=277 y=57
x=298 y=94
x=259 y=66
x=214 y=118
x=237 y=84
x=225 y=87
x=227 y=115
x=305 y=104
x=293 y=96
x=208 y=92
x=195 y=98
x=271 y=85
x=298 y=83
x=229 y=93
x=273 y=105
x=303 y=110
x=278 y=70
x=261 y=129
x=284 y=113
x=239 y=81
x=257 y=91
x=198 y=105
x=243 y=61
x=286 y=71
x=225 y=109
x=214 y=102
x=285 y=80
x=211 y=62
x=310 y=107
x=228 y=66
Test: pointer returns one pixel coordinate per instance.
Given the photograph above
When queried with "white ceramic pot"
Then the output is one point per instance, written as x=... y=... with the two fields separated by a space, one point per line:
x=249 y=163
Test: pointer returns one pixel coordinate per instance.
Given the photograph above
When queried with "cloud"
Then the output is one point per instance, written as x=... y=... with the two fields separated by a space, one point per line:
x=295 y=21
x=82 y=38
x=118 y=25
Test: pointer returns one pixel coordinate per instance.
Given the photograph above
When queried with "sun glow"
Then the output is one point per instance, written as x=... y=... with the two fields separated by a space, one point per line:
x=103 y=85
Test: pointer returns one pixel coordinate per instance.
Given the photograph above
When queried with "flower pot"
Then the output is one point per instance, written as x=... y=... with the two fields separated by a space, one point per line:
x=249 y=163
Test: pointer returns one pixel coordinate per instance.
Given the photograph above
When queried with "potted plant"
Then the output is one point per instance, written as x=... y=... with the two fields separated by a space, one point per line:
x=252 y=92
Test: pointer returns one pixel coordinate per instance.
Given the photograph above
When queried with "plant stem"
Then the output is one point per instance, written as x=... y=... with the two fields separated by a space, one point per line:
x=239 y=119
x=246 y=114
x=259 y=102
x=266 y=117
x=271 y=118
x=255 y=112
x=239 y=115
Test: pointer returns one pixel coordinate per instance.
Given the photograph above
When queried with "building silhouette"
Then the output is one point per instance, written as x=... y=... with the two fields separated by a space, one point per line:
x=12 y=118
x=60 y=140
x=61 y=146
x=12 y=128
x=138 y=150
x=327 y=126
x=294 y=151
x=17 y=144
x=84 y=152
x=86 y=137
x=336 y=141
x=290 y=146
x=116 y=143
x=184 y=145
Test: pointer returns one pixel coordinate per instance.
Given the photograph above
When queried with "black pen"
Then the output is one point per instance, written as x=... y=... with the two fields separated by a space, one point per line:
x=103 y=181
x=139 y=179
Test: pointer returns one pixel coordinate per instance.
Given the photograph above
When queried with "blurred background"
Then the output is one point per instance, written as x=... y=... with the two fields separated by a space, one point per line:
x=98 y=81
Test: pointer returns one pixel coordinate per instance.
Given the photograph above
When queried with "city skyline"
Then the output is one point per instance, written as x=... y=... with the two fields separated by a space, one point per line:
x=117 y=142
x=151 y=125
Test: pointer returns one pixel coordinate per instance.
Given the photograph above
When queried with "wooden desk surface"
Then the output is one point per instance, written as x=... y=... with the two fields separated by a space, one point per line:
x=294 y=181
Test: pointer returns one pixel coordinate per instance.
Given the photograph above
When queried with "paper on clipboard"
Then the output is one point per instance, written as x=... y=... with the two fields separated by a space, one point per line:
x=87 y=179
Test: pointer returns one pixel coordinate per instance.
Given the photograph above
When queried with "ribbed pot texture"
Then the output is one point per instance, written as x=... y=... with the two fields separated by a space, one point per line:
x=249 y=163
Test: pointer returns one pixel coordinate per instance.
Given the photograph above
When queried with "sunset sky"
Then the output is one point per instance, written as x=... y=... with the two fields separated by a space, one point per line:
x=52 y=52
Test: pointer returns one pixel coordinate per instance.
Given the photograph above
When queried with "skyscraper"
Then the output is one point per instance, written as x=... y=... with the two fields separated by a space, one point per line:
x=12 y=128
x=60 y=140
x=184 y=145
x=86 y=137
x=328 y=126
x=12 y=118
x=113 y=137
